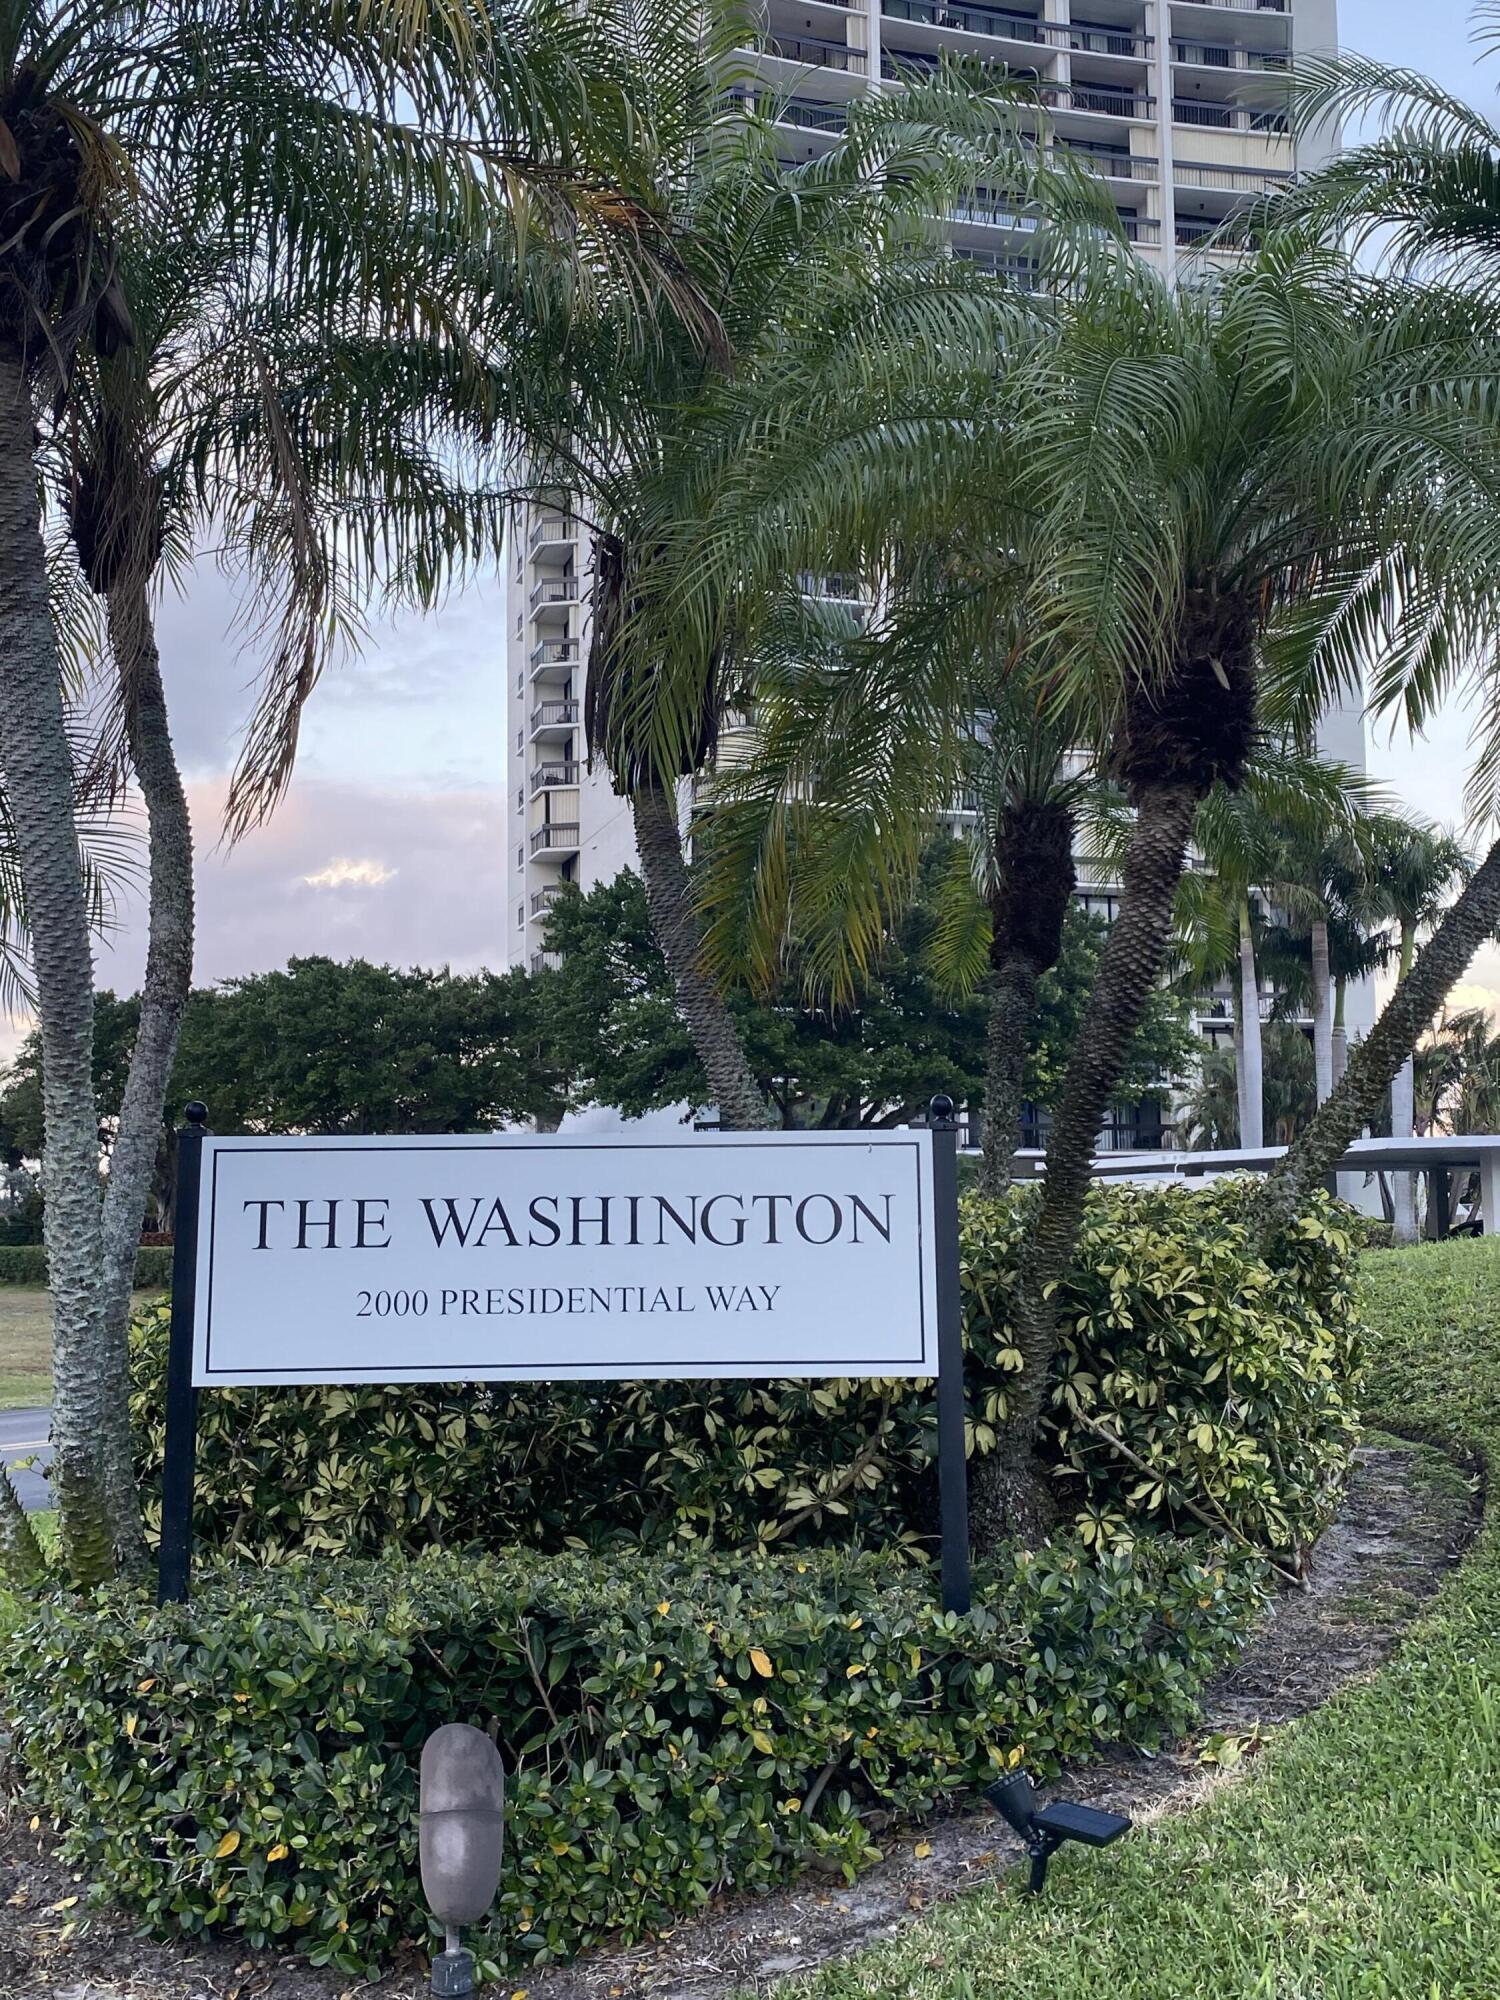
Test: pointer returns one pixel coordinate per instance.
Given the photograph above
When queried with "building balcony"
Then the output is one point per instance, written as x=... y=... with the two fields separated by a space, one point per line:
x=1212 y=236
x=812 y=52
x=555 y=842
x=554 y=542
x=1240 y=6
x=1224 y=55
x=553 y=594
x=1017 y=271
x=543 y=899
x=1102 y=99
x=1221 y=117
x=993 y=215
x=1095 y=38
x=546 y=777
x=553 y=717
x=546 y=961
x=1111 y=163
x=1141 y=228
x=810 y=117
x=553 y=656
x=996 y=23
x=1229 y=180
x=836 y=589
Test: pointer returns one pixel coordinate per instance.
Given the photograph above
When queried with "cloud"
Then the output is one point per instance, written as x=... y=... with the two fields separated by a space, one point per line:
x=343 y=874
x=437 y=857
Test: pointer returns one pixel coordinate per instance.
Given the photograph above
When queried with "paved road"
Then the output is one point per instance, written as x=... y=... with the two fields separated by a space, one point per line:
x=23 y=1434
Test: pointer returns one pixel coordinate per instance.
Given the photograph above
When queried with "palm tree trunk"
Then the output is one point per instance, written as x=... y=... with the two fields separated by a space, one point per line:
x=1251 y=1081
x=711 y=1027
x=1403 y=1092
x=1012 y=1007
x=1035 y=878
x=1322 y=1012
x=1011 y=1494
x=21 y=1558
x=164 y=995
x=38 y=770
x=1374 y=1063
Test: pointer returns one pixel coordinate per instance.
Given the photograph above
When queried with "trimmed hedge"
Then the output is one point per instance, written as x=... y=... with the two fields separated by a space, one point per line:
x=26 y=1264
x=1228 y=1378
x=247 y=1763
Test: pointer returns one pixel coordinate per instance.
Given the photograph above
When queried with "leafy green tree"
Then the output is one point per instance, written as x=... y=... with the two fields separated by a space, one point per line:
x=323 y=1046
x=1173 y=488
x=612 y=1025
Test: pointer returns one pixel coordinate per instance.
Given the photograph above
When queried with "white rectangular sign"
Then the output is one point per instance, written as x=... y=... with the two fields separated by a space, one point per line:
x=552 y=1258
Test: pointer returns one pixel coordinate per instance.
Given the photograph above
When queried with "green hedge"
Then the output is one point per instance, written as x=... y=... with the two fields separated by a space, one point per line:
x=1227 y=1377
x=26 y=1264
x=247 y=1763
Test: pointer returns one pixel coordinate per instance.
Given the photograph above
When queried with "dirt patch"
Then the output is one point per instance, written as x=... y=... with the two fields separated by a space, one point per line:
x=1407 y=1518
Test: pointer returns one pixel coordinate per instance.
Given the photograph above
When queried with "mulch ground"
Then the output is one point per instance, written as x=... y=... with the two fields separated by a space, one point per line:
x=1407 y=1518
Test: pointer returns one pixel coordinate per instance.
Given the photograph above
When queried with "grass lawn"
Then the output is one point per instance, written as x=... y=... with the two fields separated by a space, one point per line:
x=1359 y=1857
x=25 y=1347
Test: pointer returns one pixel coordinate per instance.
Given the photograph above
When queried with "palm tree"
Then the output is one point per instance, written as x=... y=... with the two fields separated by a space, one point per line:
x=1173 y=487
x=265 y=127
x=1414 y=868
x=1422 y=196
x=820 y=275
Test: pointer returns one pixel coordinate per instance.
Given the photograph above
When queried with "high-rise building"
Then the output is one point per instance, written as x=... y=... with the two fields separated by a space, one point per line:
x=1175 y=104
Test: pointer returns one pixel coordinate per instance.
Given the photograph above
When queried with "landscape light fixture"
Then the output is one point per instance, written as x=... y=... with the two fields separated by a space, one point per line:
x=1045 y=1828
x=461 y=1831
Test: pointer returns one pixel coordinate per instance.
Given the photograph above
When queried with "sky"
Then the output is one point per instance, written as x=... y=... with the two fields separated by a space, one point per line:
x=390 y=842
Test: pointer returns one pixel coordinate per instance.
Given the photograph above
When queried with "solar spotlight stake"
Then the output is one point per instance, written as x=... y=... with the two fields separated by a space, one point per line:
x=461 y=1838
x=1044 y=1830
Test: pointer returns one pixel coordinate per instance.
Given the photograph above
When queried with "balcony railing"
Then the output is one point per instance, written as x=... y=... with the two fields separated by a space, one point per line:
x=812 y=117
x=554 y=715
x=561 y=837
x=554 y=592
x=1227 y=117
x=543 y=899
x=1092 y=39
x=840 y=589
x=1100 y=98
x=1109 y=161
x=1211 y=235
x=1218 y=55
x=550 y=529
x=993 y=214
x=1141 y=228
x=996 y=22
x=1232 y=180
x=546 y=777
x=555 y=653
x=1017 y=271
x=1246 y=6
x=816 y=54
x=546 y=961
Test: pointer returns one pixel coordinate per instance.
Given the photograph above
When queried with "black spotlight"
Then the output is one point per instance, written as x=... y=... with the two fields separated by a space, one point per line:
x=1045 y=1830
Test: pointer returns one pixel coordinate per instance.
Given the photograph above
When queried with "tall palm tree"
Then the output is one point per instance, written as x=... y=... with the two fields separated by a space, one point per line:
x=1195 y=481
x=821 y=275
x=296 y=133
x=1414 y=870
x=1422 y=198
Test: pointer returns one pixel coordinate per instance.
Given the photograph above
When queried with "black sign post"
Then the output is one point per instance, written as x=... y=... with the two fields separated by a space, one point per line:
x=179 y=1460
x=953 y=1470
